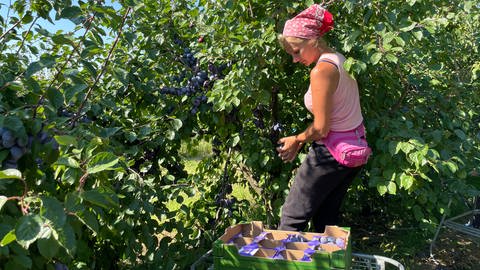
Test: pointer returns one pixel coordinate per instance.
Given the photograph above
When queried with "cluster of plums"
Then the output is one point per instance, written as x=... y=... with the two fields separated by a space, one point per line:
x=64 y=112
x=258 y=118
x=199 y=82
x=14 y=147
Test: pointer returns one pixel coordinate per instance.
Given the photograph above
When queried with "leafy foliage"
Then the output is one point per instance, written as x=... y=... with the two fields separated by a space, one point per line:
x=93 y=120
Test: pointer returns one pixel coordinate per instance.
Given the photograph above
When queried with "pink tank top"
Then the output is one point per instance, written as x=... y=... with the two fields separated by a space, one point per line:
x=346 y=113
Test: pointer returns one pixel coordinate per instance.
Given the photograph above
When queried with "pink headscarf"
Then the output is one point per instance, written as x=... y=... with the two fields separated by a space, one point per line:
x=313 y=22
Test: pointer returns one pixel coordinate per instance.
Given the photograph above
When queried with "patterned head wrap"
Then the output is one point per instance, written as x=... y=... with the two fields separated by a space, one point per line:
x=313 y=22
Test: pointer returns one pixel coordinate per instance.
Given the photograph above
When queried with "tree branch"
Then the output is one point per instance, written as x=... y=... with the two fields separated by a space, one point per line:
x=59 y=71
x=9 y=83
x=104 y=67
x=25 y=36
x=11 y=28
x=24 y=207
x=406 y=90
x=251 y=180
x=82 y=181
x=327 y=3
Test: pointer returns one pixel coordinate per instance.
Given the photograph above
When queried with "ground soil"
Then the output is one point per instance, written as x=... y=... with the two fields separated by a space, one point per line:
x=452 y=251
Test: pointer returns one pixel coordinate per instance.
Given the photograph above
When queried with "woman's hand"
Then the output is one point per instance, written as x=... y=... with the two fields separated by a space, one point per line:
x=289 y=149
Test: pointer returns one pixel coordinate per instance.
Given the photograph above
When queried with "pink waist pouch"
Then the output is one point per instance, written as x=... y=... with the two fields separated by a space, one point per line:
x=349 y=148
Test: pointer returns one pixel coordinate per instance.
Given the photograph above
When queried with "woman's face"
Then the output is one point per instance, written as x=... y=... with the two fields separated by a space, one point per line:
x=302 y=51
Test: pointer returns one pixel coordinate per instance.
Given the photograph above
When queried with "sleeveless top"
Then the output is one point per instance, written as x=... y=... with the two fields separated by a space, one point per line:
x=346 y=113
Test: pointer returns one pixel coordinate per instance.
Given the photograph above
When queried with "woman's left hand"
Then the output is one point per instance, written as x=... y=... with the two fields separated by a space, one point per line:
x=289 y=149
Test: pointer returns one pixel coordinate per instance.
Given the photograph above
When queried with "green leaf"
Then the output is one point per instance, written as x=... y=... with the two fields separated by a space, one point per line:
x=400 y=41
x=406 y=181
x=235 y=140
x=417 y=212
x=52 y=210
x=411 y=2
x=28 y=229
x=145 y=131
x=460 y=134
x=68 y=161
x=90 y=220
x=45 y=233
x=48 y=247
x=375 y=58
x=89 y=67
x=350 y=41
x=176 y=123
x=4 y=154
x=101 y=162
x=33 y=68
x=108 y=132
x=66 y=237
x=43 y=31
x=66 y=140
x=392 y=188
x=451 y=166
x=416 y=158
x=391 y=58
x=393 y=147
x=405 y=147
x=170 y=135
x=23 y=261
x=3 y=200
x=70 y=12
x=121 y=75
x=347 y=65
x=73 y=202
x=8 y=238
x=10 y=174
x=27 y=18
x=418 y=34
x=100 y=198
x=15 y=124
x=71 y=91
x=55 y=97
x=71 y=175
x=33 y=49
x=61 y=39
x=408 y=28
x=382 y=189
x=467 y=6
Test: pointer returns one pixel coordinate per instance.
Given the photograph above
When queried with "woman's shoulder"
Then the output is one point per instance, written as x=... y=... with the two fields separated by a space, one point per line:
x=336 y=57
x=324 y=70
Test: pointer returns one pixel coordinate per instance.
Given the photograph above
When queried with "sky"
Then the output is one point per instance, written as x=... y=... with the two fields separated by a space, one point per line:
x=62 y=24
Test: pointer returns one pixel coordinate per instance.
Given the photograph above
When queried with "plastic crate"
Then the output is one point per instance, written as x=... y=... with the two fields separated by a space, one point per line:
x=360 y=261
x=227 y=255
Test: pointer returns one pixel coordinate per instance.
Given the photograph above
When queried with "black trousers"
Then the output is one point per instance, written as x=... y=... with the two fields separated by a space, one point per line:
x=317 y=191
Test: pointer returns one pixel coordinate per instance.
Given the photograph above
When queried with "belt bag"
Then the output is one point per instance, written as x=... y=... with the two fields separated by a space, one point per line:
x=349 y=148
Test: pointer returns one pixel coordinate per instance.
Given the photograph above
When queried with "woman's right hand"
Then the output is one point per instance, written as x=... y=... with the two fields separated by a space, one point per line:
x=289 y=148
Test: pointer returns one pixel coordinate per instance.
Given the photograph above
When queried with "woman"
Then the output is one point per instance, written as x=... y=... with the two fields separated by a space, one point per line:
x=321 y=181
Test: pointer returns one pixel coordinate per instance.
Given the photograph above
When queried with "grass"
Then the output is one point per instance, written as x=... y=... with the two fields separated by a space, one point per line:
x=195 y=149
x=193 y=152
x=242 y=192
x=191 y=165
x=173 y=205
